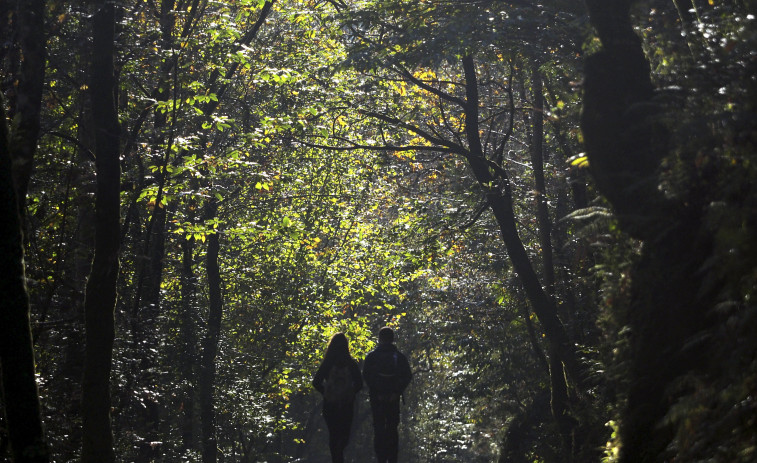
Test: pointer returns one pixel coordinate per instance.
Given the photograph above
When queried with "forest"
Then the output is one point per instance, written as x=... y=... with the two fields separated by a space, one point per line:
x=552 y=203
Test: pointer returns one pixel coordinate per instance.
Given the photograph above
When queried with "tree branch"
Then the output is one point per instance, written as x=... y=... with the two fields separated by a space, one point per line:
x=453 y=147
x=357 y=146
x=429 y=88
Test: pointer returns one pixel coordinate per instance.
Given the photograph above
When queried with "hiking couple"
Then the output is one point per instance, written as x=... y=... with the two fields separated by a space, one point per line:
x=387 y=374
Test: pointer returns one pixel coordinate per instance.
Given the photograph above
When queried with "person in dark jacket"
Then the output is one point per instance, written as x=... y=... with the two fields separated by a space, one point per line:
x=387 y=373
x=338 y=410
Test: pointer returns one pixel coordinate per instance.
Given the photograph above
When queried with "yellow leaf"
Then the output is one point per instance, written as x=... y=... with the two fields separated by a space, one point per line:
x=580 y=161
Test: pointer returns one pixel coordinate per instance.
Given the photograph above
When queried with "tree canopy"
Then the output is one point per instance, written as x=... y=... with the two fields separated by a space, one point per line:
x=552 y=203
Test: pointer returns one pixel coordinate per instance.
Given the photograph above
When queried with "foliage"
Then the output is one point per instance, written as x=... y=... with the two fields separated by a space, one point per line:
x=326 y=146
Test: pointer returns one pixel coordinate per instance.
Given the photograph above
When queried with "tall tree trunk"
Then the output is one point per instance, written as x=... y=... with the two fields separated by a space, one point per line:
x=189 y=344
x=28 y=101
x=151 y=272
x=19 y=387
x=500 y=200
x=561 y=349
x=147 y=295
x=623 y=146
x=558 y=388
x=210 y=345
x=667 y=310
x=537 y=162
x=100 y=294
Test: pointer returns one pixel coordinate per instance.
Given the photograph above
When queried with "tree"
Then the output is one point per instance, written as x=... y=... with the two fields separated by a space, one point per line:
x=100 y=299
x=662 y=197
x=210 y=346
x=291 y=169
x=27 y=100
x=22 y=409
x=386 y=43
x=19 y=387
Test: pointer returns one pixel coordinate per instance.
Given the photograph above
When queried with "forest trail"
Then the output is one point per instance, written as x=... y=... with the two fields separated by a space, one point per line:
x=552 y=204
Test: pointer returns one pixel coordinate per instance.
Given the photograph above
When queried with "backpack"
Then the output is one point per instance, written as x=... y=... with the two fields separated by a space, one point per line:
x=388 y=372
x=338 y=387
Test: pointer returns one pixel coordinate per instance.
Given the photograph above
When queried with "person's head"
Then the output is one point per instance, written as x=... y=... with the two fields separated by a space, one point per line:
x=338 y=346
x=386 y=335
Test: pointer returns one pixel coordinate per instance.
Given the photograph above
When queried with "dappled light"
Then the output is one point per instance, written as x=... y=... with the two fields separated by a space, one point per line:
x=357 y=230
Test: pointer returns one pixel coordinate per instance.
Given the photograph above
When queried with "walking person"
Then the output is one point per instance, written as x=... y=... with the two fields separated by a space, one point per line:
x=387 y=374
x=338 y=380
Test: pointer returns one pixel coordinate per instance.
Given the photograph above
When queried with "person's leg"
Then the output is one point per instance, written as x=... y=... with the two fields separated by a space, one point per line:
x=392 y=411
x=336 y=448
x=345 y=429
x=335 y=424
x=379 y=429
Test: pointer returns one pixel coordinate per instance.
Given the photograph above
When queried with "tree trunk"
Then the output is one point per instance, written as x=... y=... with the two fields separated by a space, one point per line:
x=524 y=430
x=28 y=101
x=19 y=387
x=558 y=388
x=100 y=294
x=210 y=346
x=500 y=200
x=622 y=143
x=667 y=311
x=151 y=273
x=189 y=340
x=576 y=180
x=537 y=162
x=499 y=196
